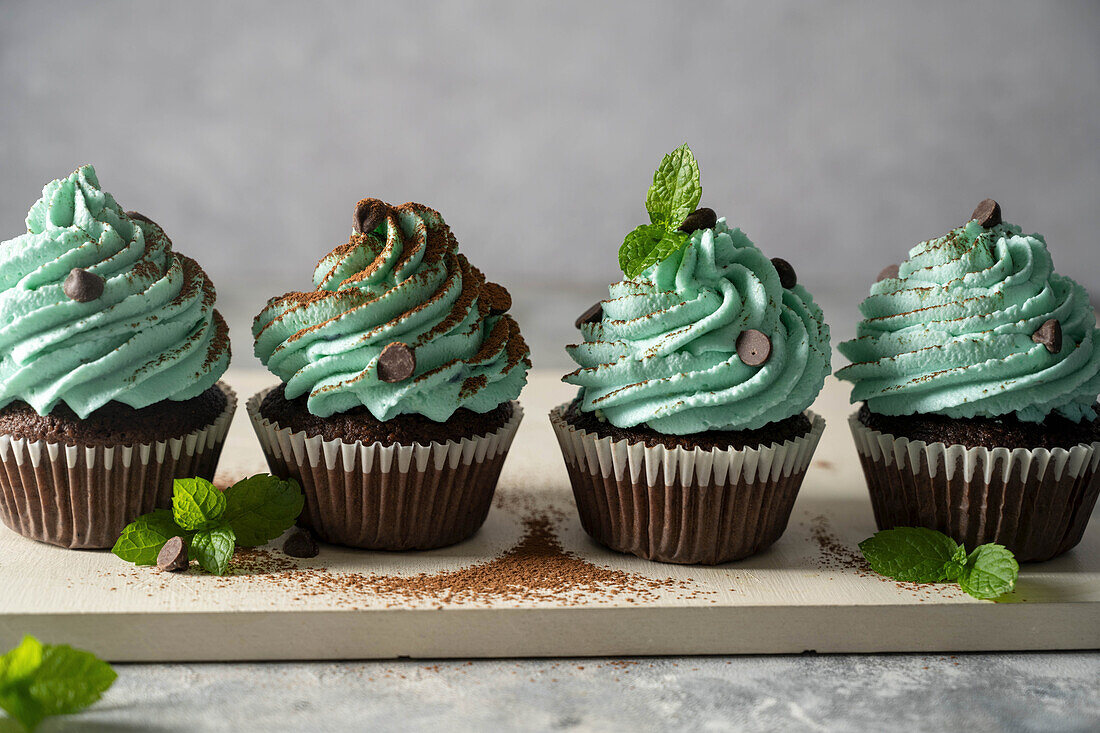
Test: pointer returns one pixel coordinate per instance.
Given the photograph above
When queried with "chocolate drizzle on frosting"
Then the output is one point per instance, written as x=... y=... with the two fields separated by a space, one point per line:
x=400 y=280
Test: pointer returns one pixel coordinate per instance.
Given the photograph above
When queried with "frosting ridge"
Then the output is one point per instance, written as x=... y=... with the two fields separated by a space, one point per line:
x=151 y=334
x=665 y=353
x=403 y=280
x=955 y=333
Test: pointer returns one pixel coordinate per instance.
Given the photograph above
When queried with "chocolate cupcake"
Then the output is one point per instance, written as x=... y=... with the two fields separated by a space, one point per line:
x=400 y=374
x=690 y=436
x=978 y=368
x=110 y=354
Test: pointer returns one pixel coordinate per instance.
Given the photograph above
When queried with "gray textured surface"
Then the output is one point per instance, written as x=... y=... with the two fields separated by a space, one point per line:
x=836 y=134
x=975 y=693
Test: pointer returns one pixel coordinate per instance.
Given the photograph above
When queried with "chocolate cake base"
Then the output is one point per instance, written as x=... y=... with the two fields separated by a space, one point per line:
x=676 y=504
x=358 y=424
x=71 y=485
x=1035 y=503
x=1006 y=431
x=370 y=491
x=113 y=424
x=791 y=428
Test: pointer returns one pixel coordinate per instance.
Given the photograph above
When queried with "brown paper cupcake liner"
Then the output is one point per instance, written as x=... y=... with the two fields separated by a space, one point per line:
x=82 y=497
x=1034 y=502
x=684 y=506
x=398 y=497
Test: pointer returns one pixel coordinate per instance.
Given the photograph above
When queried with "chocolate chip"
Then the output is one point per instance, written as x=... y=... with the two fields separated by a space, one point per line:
x=787 y=276
x=988 y=213
x=396 y=363
x=701 y=218
x=497 y=297
x=369 y=213
x=753 y=347
x=82 y=286
x=888 y=272
x=594 y=314
x=173 y=556
x=141 y=217
x=300 y=543
x=1049 y=335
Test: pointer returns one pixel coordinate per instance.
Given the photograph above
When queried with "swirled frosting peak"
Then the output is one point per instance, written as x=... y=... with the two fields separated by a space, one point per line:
x=96 y=307
x=665 y=353
x=968 y=328
x=398 y=280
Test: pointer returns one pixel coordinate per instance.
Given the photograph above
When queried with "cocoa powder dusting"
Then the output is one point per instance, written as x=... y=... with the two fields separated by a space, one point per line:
x=537 y=568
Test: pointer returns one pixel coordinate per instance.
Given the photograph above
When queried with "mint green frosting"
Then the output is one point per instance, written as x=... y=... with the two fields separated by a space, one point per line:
x=403 y=282
x=952 y=334
x=665 y=353
x=152 y=335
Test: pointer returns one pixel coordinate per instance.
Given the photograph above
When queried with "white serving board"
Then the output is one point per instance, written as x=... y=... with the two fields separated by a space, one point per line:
x=791 y=598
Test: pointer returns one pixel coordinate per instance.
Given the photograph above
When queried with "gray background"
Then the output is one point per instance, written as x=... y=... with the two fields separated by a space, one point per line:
x=836 y=135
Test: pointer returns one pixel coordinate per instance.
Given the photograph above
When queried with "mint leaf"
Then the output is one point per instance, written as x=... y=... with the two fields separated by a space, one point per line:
x=141 y=540
x=213 y=548
x=990 y=572
x=676 y=189
x=40 y=680
x=196 y=503
x=954 y=567
x=909 y=554
x=646 y=246
x=261 y=508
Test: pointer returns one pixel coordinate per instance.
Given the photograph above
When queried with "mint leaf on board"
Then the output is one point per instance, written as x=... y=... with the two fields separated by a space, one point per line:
x=41 y=680
x=141 y=540
x=909 y=554
x=262 y=507
x=676 y=189
x=990 y=572
x=196 y=503
x=646 y=246
x=954 y=567
x=213 y=548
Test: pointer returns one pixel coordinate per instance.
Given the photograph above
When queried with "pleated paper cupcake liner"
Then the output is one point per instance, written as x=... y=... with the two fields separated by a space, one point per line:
x=82 y=497
x=1034 y=502
x=397 y=497
x=679 y=505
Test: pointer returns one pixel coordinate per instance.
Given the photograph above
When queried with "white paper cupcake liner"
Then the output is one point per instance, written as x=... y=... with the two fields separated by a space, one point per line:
x=397 y=497
x=682 y=505
x=1035 y=502
x=83 y=496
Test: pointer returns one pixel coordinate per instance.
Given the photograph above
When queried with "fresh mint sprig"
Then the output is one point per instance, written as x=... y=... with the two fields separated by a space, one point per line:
x=41 y=680
x=922 y=555
x=672 y=197
x=251 y=512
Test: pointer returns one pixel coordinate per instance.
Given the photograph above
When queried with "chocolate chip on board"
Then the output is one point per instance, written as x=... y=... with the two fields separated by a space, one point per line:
x=173 y=556
x=988 y=213
x=300 y=543
x=396 y=363
x=754 y=347
x=594 y=314
x=1049 y=335
x=82 y=286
